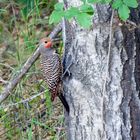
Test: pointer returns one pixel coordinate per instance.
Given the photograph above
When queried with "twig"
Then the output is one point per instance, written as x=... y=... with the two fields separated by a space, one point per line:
x=6 y=65
x=24 y=101
x=14 y=81
x=3 y=81
x=107 y=68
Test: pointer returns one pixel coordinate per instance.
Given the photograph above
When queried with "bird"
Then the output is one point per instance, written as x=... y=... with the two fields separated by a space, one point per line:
x=52 y=70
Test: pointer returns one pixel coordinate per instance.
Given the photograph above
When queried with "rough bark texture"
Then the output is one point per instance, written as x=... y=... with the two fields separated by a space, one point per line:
x=135 y=100
x=94 y=115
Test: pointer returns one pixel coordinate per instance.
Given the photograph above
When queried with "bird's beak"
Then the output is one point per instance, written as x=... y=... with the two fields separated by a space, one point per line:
x=49 y=44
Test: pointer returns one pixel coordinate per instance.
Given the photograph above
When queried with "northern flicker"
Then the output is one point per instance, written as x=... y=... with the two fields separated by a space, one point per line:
x=52 y=70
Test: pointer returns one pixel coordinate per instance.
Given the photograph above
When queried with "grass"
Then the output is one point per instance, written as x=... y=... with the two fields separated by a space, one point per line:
x=22 y=24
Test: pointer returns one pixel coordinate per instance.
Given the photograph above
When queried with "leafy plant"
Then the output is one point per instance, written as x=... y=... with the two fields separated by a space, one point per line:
x=122 y=6
x=84 y=13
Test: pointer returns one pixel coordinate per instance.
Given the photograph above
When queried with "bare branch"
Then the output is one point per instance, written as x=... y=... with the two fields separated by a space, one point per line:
x=107 y=69
x=14 y=81
x=25 y=100
x=7 y=66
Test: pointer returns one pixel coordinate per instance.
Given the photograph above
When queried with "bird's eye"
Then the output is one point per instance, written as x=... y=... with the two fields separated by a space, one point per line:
x=45 y=41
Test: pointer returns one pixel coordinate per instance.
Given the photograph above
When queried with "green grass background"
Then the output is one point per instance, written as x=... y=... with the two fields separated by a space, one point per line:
x=22 y=24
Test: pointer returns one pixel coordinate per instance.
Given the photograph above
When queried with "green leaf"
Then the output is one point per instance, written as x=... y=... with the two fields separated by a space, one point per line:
x=59 y=6
x=56 y=16
x=84 y=20
x=86 y=8
x=123 y=12
x=3 y=10
x=131 y=3
x=72 y=12
x=117 y=3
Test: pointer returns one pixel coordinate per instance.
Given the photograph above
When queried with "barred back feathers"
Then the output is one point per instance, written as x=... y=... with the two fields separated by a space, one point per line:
x=52 y=71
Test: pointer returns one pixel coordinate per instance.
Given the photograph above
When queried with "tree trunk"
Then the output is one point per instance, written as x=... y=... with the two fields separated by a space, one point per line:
x=103 y=94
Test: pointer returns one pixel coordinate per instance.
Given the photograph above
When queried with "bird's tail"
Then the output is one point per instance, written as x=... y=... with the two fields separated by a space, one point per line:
x=64 y=102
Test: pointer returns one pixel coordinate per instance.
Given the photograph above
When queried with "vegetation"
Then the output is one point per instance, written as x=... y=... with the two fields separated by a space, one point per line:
x=84 y=13
x=28 y=112
x=22 y=24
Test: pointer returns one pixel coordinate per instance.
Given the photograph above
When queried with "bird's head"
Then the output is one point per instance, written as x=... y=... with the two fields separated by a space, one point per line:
x=45 y=45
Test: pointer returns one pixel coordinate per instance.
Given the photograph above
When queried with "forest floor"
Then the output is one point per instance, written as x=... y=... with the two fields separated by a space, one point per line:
x=22 y=24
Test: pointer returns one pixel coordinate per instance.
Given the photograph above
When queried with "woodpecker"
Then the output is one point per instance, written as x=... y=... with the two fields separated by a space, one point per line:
x=52 y=70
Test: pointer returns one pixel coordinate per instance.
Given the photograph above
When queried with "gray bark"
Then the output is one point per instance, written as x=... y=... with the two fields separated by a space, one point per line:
x=94 y=114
